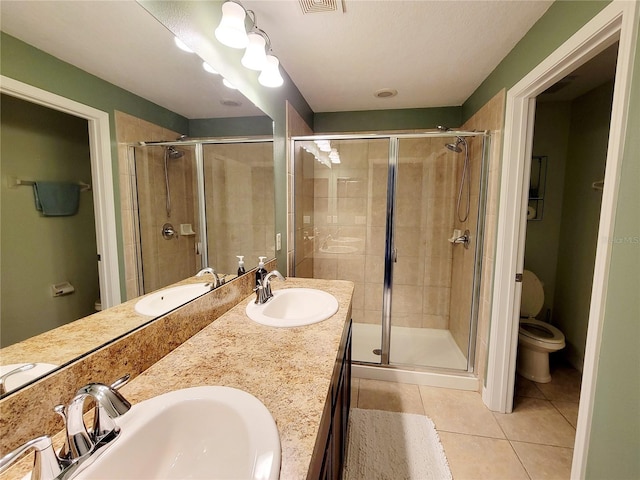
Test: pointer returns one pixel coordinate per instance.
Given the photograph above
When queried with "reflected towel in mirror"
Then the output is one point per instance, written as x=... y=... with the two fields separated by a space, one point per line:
x=56 y=199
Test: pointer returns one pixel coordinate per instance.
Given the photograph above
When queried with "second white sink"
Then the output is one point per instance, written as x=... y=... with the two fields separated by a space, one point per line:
x=165 y=300
x=294 y=307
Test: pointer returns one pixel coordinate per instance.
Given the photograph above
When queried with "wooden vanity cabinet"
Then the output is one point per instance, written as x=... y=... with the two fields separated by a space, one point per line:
x=330 y=448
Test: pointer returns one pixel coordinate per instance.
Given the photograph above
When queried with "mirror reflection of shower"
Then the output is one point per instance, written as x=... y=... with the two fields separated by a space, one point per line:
x=170 y=153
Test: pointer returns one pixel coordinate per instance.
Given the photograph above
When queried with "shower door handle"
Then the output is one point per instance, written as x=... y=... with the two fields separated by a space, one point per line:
x=394 y=255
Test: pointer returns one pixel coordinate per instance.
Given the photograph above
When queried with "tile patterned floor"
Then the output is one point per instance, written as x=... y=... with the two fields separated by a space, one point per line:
x=534 y=442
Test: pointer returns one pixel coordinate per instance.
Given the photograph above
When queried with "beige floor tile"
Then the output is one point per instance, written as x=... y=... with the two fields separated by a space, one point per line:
x=569 y=410
x=459 y=411
x=564 y=385
x=389 y=396
x=472 y=457
x=536 y=421
x=545 y=462
x=527 y=388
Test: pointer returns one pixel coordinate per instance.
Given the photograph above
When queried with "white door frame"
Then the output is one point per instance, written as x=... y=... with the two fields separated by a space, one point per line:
x=617 y=21
x=101 y=178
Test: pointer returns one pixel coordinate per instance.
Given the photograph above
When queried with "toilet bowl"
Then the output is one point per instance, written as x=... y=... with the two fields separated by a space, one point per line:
x=536 y=339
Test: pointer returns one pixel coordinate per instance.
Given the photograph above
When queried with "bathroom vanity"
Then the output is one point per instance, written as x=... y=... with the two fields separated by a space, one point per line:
x=302 y=375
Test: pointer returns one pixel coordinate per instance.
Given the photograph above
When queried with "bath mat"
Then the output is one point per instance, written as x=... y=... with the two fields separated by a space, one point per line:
x=393 y=446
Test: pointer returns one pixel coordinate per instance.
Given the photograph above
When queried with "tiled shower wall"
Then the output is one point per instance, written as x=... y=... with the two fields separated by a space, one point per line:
x=239 y=192
x=130 y=129
x=350 y=218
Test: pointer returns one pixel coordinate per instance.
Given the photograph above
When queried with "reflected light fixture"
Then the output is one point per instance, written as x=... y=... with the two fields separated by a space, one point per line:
x=231 y=30
x=228 y=84
x=181 y=45
x=270 y=75
x=209 y=68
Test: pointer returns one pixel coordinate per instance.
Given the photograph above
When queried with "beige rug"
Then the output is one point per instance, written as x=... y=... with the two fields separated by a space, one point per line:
x=393 y=446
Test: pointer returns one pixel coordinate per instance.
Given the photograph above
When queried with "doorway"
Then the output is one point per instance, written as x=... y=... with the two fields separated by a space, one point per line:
x=616 y=22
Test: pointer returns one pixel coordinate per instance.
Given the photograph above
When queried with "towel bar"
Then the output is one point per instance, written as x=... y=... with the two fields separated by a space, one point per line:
x=84 y=187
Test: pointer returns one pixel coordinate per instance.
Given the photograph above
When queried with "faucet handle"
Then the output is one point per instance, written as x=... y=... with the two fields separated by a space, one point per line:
x=46 y=465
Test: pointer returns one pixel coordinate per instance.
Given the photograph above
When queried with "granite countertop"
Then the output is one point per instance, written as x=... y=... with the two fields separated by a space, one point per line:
x=71 y=340
x=288 y=369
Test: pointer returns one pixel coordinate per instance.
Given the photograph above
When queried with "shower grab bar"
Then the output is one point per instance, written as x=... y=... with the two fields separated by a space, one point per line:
x=84 y=187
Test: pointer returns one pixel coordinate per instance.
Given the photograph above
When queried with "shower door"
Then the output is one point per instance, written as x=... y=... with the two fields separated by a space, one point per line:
x=382 y=216
x=435 y=200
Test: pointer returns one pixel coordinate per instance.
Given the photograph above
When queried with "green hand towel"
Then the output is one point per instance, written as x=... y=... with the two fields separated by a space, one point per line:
x=56 y=199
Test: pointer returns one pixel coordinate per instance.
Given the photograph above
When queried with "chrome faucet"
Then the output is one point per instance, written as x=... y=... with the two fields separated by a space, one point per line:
x=46 y=466
x=82 y=445
x=263 y=290
x=110 y=404
x=217 y=279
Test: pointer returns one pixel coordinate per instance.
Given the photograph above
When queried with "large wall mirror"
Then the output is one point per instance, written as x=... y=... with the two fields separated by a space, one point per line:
x=121 y=43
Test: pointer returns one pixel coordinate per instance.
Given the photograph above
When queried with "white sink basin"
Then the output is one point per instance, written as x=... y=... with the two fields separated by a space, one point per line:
x=20 y=378
x=209 y=432
x=163 y=301
x=293 y=307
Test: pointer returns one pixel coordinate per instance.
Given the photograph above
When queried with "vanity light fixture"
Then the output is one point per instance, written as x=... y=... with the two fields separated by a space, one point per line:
x=257 y=56
x=231 y=30
x=209 y=68
x=181 y=45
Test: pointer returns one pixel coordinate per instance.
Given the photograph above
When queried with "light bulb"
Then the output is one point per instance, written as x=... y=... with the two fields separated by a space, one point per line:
x=231 y=30
x=209 y=68
x=181 y=45
x=270 y=75
x=255 y=56
x=228 y=84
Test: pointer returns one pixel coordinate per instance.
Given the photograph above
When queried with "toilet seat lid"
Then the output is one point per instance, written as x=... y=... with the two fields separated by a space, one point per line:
x=532 y=295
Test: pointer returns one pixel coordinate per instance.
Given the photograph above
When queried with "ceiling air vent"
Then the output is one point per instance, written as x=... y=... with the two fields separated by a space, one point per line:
x=317 y=6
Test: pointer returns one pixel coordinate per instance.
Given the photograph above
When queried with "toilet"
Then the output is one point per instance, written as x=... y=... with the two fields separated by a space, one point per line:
x=536 y=338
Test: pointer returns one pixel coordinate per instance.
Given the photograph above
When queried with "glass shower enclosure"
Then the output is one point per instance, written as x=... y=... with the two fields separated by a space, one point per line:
x=402 y=217
x=216 y=195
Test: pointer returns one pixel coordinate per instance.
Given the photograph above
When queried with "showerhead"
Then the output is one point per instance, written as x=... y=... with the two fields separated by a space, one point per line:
x=455 y=147
x=173 y=153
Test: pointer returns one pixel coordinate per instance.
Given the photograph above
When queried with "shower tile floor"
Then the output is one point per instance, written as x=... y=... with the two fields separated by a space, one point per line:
x=534 y=442
x=429 y=347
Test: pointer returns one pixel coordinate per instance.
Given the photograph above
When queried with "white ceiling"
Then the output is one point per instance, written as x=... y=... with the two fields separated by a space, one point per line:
x=434 y=53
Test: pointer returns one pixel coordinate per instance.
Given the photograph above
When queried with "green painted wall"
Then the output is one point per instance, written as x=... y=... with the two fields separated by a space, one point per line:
x=551 y=137
x=38 y=143
x=615 y=430
x=231 y=127
x=377 y=120
x=581 y=204
x=561 y=20
x=29 y=65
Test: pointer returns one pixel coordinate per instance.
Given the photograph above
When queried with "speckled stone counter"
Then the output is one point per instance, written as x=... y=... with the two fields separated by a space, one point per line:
x=288 y=369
